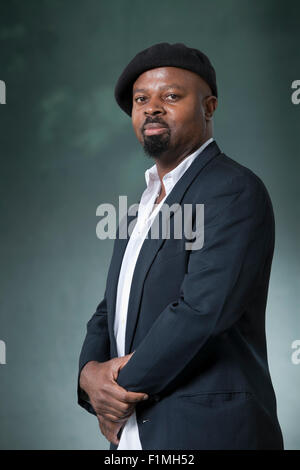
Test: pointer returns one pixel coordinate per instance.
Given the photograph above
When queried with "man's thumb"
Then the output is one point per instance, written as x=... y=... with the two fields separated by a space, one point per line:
x=125 y=359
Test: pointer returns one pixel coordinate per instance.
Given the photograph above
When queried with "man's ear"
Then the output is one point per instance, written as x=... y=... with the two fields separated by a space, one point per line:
x=210 y=104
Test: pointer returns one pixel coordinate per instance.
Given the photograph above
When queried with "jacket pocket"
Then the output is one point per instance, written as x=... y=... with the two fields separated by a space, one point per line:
x=217 y=399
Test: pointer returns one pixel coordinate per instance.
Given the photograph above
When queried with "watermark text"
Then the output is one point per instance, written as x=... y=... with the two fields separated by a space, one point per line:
x=295 y=358
x=295 y=97
x=2 y=352
x=188 y=222
x=2 y=92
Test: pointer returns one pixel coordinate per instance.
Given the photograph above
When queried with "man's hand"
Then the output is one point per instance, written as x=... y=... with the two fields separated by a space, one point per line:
x=110 y=429
x=113 y=404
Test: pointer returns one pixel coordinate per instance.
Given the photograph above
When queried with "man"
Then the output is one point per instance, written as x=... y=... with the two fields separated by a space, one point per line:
x=175 y=355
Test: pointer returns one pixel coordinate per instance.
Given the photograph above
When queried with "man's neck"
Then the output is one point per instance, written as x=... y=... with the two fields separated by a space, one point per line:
x=164 y=164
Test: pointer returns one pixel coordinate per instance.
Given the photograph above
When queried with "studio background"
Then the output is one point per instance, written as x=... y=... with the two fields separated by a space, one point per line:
x=66 y=147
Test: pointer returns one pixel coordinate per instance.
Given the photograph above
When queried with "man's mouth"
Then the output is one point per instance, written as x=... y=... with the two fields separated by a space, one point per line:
x=153 y=128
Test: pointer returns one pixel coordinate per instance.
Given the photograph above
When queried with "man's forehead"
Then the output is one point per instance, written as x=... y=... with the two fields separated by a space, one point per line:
x=166 y=76
x=159 y=85
x=162 y=78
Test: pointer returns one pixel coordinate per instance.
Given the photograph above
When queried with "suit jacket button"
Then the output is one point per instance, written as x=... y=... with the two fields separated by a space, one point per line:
x=156 y=397
x=145 y=420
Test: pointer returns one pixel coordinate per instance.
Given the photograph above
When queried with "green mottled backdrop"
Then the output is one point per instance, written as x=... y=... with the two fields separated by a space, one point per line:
x=66 y=147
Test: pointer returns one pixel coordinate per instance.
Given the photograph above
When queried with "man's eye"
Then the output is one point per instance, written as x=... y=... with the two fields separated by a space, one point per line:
x=172 y=95
x=139 y=98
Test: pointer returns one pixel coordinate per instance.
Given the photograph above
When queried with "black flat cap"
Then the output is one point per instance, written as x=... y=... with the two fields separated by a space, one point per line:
x=163 y=55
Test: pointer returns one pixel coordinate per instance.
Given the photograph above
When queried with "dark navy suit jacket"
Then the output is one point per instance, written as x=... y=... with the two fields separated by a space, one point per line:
x=196 y=319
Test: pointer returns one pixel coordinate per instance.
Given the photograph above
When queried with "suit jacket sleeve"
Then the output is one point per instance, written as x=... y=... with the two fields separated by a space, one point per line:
x=96 y=347
x=219 y=280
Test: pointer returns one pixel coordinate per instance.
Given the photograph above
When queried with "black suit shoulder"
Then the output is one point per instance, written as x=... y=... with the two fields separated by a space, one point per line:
x=223 y=175
x=226 y=186
x=227 y=170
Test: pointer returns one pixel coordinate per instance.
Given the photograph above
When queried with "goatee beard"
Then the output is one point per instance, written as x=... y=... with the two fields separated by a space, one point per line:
x=156 y=145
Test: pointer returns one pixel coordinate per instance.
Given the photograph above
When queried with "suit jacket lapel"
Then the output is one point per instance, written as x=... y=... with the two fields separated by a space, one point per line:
x=149 y=250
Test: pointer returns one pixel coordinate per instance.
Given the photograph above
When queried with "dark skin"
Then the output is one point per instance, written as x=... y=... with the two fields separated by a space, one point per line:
x=181 y=101
x=113 y=404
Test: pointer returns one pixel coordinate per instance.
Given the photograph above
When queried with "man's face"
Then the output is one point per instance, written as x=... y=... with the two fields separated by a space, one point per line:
x=169 y=112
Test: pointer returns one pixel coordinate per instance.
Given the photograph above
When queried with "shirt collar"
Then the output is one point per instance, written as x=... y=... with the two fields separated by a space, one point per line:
x=175 y=174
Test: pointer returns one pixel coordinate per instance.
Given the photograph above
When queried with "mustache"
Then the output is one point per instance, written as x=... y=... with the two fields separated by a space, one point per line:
x=154 y=121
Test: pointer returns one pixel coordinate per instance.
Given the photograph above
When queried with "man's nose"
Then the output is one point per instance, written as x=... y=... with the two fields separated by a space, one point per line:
x=154 y=107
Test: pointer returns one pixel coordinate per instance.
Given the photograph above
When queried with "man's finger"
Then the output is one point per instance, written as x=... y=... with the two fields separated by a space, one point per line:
x=117 y=409
x=109 y=430
x=134 y=397
x=125 y=396
x=108 y=403
x=115 y=419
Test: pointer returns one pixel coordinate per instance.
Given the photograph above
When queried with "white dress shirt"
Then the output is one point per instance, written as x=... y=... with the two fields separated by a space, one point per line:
x=130 y=438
